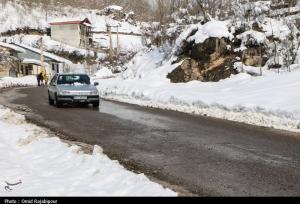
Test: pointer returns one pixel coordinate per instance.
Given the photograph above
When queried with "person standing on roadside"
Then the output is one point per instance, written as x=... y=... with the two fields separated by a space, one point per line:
x=41 y=75
x=46 y=79
x=38 y=77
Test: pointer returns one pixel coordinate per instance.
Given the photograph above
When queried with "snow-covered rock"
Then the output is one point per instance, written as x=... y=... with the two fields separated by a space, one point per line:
x=199 y=33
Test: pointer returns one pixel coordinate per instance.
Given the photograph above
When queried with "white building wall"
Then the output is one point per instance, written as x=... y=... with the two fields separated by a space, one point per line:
x=68 y=34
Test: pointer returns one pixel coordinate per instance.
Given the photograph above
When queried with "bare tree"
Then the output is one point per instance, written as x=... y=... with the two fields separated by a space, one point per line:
x=203 y=9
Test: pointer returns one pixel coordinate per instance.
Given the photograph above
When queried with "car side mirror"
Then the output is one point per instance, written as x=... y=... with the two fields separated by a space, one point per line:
x=96 y=84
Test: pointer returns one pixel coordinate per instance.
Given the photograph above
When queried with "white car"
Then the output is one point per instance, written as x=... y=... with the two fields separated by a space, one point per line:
x=71 y=89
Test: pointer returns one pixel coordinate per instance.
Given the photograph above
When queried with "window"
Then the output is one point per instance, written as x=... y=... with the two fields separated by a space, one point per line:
x=73 y=80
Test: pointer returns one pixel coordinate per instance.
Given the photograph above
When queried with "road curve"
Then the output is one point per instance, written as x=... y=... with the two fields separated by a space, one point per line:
x=205 y=156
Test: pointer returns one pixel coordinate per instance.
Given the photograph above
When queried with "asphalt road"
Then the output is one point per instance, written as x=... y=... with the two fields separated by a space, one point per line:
x=204 y=156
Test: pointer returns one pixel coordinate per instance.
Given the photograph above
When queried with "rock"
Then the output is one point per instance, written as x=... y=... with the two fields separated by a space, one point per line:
x=207 y=61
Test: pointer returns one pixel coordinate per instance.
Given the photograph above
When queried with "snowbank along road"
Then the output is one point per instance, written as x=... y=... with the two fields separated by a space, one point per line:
x=204 y=156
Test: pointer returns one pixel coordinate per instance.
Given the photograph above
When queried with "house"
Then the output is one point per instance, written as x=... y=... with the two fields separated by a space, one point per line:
x=27 y=61
x=30 y=61
x=10 y=67
x=74 y=32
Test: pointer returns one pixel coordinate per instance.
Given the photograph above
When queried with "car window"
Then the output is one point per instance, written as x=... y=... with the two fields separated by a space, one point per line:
x=73 y=80
x=53 y=80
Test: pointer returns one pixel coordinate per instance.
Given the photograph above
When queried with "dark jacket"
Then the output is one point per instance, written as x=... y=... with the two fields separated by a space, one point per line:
x=40 y=76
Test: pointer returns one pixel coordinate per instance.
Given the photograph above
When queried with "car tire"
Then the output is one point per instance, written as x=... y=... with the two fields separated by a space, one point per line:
x=96 y=105
x=51 y=102
x=57 y=103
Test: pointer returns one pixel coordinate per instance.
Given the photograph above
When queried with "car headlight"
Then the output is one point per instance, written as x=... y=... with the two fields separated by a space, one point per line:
x=65 y=93
x=94 y=93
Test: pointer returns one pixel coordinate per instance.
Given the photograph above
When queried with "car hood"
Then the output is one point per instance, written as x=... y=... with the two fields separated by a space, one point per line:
x=76 y=88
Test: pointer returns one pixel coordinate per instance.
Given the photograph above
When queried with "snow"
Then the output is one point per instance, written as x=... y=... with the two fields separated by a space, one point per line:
x=258 y=37
x=16 y=48
x=48 y=167
x=10 y=21
x=100 y=25
x=65 y=19
x=114 y=7
x=87 y=24
x=284 y=11
x=8 y=82
x=32 y=61
x=262 y=7
x=216 y=29
x=47 y=54
x=103 y=73
x=127 y=43
x=271 y=100
x=49 y=44
x=13 y=16
x=276 y=28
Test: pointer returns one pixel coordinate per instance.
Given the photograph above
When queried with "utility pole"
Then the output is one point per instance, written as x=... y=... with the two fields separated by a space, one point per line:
x=88 y=49
x=42 y=55
x=110 y=43
x=43 y=68
x=118 y=42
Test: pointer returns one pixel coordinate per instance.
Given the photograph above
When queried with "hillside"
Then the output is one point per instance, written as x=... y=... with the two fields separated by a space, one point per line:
x=140 y=7
x=25 y=24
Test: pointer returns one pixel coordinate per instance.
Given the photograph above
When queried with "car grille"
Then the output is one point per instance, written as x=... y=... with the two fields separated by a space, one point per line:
x=80 y=93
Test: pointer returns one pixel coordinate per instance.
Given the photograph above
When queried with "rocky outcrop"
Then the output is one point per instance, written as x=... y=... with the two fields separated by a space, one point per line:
x=117 y=13
x=207 y=61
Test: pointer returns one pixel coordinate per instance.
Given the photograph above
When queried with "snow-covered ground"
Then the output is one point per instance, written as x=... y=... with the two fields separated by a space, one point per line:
x=8 y=82
x=14 y=15
x=103 y=73
x=127 y=43
x=271 y=100
x=45 y=166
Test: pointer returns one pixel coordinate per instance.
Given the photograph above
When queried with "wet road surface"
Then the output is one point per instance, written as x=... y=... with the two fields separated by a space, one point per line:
x=204 y=156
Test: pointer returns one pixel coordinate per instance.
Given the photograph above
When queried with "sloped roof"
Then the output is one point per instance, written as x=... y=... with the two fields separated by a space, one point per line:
x=13 y=47
x=64 y=21
x=46 y=54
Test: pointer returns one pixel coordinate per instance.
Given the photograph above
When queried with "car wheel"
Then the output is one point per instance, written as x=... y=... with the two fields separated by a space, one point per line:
x=51 y=102
x=96 y=105
x=57 y=103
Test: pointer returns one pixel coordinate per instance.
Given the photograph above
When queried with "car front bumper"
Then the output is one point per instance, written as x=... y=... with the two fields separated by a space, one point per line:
x=78 y=99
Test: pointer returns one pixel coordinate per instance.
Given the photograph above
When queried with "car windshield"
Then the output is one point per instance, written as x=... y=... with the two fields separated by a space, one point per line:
x=73 y=80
